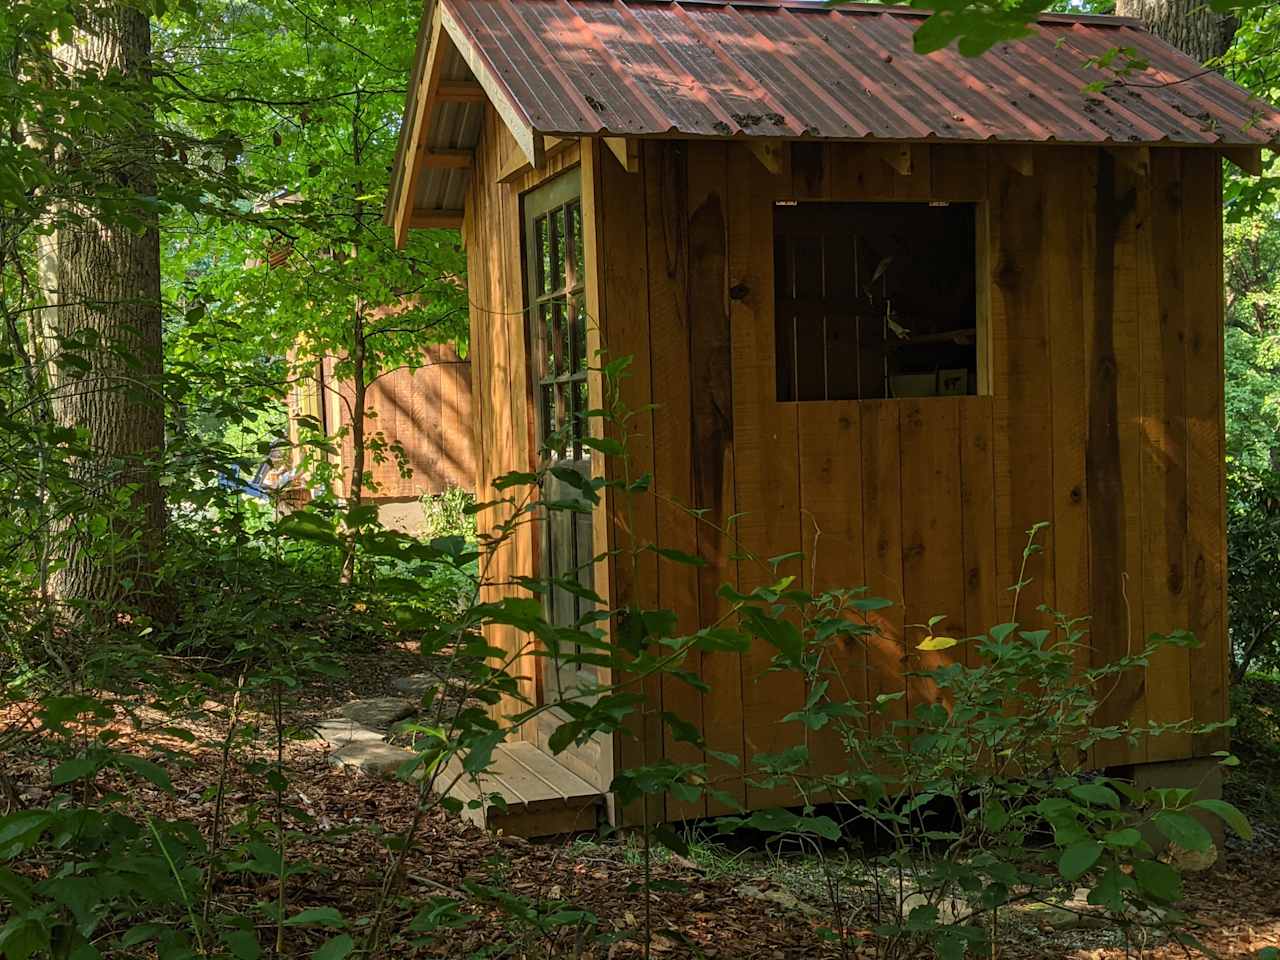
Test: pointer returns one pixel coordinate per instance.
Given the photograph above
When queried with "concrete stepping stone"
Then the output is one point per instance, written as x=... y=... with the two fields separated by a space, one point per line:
x=372 y=758
x=378 y=713
x=339 y=731
x=416 y=685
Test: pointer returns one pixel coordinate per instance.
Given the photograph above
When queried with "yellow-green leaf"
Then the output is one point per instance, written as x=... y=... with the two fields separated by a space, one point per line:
x=937 y=643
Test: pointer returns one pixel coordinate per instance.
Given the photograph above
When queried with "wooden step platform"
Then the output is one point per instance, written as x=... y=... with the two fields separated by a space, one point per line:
x=543 y=798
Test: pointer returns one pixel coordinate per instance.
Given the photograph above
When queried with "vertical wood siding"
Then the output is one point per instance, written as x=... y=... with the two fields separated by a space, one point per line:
x=501 y=403
x=1102 y=304
x=428 y=413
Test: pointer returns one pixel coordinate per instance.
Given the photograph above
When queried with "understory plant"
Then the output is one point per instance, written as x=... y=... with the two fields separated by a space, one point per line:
x=980 y=794
x=942 y=814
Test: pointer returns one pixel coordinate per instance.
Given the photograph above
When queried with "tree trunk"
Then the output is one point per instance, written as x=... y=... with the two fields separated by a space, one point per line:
x=359 y=361
x=101 y=276
x=1188 y=25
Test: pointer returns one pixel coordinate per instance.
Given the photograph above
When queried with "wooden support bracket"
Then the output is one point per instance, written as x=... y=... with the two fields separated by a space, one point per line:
x=1019 y=157
x=448 y=159
x=517 y=164
x=627 y=150
x=1248 y=159
x=1137 y=159
x=435 y=219
x=770 y=153
x=898 y=156
x=460 y=91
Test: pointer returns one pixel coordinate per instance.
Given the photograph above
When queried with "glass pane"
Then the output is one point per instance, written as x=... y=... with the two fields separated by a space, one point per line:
x=542 y=246
x=578 y=322
x=565 y=398
x=557 y=249
x=548 y=414
x=560 y=346
x=546 y=340
x=581 y=406
x=575 y=244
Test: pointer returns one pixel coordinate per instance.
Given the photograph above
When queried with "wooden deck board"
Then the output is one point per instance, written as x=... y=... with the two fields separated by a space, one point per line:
x=542 y=797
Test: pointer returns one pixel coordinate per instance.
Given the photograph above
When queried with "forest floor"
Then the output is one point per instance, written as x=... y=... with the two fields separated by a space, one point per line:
x=747 y=903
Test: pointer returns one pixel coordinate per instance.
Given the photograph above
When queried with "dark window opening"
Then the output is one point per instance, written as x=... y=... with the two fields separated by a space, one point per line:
x=875 y=300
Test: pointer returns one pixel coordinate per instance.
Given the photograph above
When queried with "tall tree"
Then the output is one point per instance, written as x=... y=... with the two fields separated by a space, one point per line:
x=317 y=109
x=1190 y=25
x=100 y=272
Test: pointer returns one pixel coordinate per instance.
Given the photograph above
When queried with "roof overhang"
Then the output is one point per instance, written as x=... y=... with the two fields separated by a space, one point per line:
x=766 y=71
x=441 y=126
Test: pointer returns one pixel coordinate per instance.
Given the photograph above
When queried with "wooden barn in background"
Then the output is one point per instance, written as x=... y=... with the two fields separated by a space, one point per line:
x=418 y=435
x=892 y=309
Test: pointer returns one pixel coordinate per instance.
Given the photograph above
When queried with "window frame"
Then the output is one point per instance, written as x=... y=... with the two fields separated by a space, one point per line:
x=564 y=191
x=983 y=346
x=542 y=201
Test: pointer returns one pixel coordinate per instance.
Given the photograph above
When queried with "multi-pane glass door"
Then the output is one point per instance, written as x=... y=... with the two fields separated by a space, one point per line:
x=554 y=283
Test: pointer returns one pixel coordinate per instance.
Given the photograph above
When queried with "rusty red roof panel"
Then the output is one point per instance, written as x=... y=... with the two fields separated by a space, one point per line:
x=802 y=69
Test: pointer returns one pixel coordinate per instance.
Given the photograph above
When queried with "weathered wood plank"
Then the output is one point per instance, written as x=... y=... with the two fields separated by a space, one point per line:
x=882 y=548
x=1113 y=465
x=765 y=470
x=978 y=511
x=810 y=170
x=1021 y=368
x=542 y=797
x=858 y=173
x=932 y=525
x=667 y=224
x=714 y=430
x=1206 y=501
x=1066 y=175
x=1164 y=454
x=958 y=172
x=831 y=521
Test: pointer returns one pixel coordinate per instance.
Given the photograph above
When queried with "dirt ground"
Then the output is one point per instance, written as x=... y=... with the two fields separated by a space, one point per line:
x=748 y=904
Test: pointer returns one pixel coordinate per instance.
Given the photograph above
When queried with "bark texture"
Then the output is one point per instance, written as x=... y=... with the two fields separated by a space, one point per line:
x=101 y=276
x=1188 y=25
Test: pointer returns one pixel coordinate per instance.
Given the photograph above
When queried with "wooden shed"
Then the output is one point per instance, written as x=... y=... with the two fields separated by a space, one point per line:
x=917 y=303
x=418 y=437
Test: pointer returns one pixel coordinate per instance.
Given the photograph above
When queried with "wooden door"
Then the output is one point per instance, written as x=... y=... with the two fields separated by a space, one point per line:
x=554 y=284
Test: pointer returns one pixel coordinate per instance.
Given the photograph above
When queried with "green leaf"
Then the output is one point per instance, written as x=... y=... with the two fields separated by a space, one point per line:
x=1110 y=889
x=22 y=938
x=1229 y=815
x=784 y=821
x=515 y=479
x=1184 y=830
x=606 y=445
x=243 y=944
x=15 y=889
x=1096 y=794
x=335 y=949
x=145 y=768
x=1079 y=858
x=678 y=556
x=671 y=840
x=22 y=826
x=1158 y=880
x=317 y=916
x=1127 y=838
x=75 y=769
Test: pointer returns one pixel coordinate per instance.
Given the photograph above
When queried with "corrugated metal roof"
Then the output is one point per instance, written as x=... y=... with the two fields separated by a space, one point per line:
x=802 y=69
x=797 y=69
